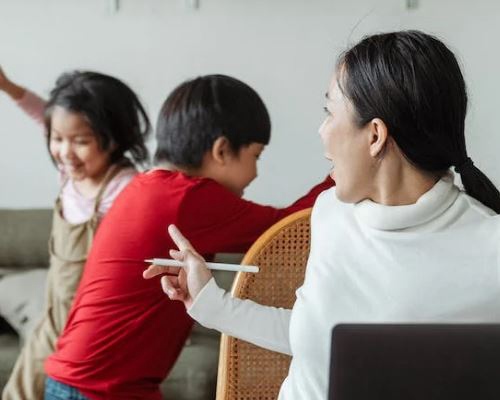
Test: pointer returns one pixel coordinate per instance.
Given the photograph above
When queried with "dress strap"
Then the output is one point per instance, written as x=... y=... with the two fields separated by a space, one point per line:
x=110 y=174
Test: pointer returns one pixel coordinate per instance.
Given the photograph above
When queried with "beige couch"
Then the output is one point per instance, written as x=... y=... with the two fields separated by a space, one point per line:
x=23 y=246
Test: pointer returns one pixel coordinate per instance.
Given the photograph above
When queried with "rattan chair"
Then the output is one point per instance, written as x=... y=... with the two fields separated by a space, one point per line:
x=247 y=371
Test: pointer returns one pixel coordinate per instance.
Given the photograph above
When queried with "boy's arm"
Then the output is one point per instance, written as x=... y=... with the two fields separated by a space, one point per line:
x=216 y=220
x=308 y=199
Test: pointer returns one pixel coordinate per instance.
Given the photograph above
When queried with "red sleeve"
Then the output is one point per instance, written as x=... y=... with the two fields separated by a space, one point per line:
x=216 y=220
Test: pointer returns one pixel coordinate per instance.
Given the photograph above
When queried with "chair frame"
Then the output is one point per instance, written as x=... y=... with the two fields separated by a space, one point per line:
x=241 y=282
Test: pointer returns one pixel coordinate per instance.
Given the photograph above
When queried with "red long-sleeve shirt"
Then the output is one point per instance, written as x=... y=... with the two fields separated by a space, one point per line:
x=123 y=334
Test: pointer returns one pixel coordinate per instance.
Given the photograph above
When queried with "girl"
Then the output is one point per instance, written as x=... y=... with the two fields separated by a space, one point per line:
x=396 y=240
x=95 y=128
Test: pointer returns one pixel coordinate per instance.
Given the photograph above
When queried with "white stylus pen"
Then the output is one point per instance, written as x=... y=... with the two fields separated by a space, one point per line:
x=166 y=262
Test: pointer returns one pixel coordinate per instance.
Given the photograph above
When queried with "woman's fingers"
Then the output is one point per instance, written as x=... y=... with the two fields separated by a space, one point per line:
x=190 y=278
x=171 y=288
x=155 y=270
x=177 y=255
x=179 y=239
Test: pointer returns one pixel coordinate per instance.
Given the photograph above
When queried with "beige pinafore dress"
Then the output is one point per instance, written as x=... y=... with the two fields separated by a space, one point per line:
x=69 y=246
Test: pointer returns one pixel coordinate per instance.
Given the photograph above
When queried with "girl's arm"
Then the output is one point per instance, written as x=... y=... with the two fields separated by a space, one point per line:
x=14 y=91
x=29 y=102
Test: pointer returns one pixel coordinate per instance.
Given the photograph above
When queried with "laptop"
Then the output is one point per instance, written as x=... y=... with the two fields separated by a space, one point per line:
x=415 y=362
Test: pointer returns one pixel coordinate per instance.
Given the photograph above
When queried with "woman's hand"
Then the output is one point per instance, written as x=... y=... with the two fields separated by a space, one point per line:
x=9 y=87
x=185 y=283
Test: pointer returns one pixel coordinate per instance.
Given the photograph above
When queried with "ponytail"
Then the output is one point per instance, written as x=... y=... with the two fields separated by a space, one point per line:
x=477 y=185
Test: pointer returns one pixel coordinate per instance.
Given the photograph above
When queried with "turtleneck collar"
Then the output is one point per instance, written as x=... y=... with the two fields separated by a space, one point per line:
x=429 y=206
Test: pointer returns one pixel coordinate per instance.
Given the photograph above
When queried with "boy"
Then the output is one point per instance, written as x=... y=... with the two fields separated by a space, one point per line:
x=123 y=335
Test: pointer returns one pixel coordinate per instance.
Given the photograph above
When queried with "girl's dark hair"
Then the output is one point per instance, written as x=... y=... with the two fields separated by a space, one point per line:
x=112 y=109
x=413 y=82
x=201 y=110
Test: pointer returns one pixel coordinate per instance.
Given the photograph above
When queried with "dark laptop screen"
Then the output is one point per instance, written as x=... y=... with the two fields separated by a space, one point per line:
x=424 y=362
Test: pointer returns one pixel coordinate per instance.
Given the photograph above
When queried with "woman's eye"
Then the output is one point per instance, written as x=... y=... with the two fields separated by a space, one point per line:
x=56 y=139
x=327 y=112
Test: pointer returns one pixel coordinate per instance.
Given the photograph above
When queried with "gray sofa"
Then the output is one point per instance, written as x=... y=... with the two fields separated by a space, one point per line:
x=23 y=246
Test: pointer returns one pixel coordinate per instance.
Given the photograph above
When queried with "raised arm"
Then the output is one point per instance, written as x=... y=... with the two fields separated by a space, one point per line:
x=29 y=102
x=15 y=91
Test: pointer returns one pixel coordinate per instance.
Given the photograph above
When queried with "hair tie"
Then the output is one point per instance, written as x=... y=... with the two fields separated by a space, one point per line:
x=466 y=164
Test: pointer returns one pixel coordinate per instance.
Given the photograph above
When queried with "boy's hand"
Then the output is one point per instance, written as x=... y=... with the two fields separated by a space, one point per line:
x=187 y=281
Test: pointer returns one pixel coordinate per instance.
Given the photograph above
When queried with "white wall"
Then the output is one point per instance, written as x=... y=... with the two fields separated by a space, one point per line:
x=285 y=49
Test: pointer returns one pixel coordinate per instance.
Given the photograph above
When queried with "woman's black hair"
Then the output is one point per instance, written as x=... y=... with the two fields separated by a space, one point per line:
x=112 y=109
x=412 y=82
x=201 y=110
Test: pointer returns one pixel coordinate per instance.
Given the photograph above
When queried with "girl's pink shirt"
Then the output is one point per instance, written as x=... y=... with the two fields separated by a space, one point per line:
x=33 y=105
x=76 y=207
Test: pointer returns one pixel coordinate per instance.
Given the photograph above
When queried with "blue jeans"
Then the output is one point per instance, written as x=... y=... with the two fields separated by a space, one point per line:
x=55 y=390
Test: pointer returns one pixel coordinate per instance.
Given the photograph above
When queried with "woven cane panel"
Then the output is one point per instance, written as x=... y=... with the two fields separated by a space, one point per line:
x=282 y=264
x=253 y=373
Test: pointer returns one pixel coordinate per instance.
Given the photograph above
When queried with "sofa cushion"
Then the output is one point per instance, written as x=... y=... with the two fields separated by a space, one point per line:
x=194 y=375
x=24 y=238
x=22 y=297
x=9 y=350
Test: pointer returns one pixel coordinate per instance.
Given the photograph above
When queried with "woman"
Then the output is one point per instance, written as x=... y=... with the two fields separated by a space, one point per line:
x=396 y=240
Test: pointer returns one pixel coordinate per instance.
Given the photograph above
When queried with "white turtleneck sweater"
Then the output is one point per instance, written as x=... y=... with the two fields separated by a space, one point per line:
x=433 y=261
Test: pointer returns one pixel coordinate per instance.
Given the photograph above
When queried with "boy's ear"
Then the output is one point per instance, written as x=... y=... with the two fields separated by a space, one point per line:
x=221 y=150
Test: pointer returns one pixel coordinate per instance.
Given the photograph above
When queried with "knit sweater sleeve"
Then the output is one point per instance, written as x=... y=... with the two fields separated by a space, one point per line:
x=264 y=326
x=33 y=105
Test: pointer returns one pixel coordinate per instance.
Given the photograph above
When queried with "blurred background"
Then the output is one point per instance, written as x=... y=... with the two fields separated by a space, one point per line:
x=285 y=49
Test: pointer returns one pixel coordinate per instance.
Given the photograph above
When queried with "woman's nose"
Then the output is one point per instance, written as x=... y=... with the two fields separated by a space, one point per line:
x=321 y=128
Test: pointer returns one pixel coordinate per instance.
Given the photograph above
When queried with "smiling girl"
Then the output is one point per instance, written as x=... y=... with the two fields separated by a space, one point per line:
x=95 y=128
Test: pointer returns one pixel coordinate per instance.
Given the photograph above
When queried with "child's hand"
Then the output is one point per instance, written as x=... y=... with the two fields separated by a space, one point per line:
x=9 y=87
x=187 y=281
x=4 y=81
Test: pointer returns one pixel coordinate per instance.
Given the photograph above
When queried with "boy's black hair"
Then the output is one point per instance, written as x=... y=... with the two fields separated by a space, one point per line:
x=112 y=109
x=201 y=110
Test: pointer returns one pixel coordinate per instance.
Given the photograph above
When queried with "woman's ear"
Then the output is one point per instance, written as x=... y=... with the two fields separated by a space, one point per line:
x=221 y=150
x=378 y=137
